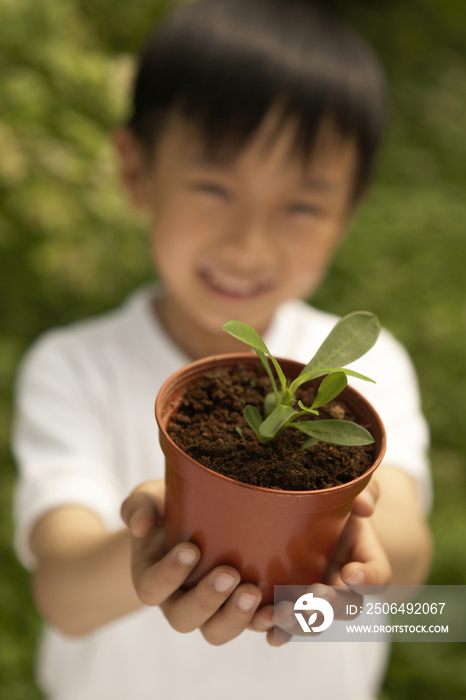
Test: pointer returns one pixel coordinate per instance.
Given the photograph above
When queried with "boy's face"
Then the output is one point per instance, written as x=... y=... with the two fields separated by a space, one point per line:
x=234 y=240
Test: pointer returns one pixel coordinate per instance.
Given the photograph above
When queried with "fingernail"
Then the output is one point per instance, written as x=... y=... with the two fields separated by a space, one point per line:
x=246 y=601
x=356 y=578
x=186 y=556
x=223 y=583
x=288 y=623
x=137 y=515
x=321 y=591
x=268 y=623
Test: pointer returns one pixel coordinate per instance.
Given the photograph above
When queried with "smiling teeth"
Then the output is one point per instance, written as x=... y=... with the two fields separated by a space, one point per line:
x=232 y=285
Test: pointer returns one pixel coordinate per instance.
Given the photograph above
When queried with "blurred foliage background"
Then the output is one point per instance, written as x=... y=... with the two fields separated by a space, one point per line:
x=70 y=247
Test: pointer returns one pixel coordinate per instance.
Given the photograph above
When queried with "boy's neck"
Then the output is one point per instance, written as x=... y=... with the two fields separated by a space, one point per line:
x=194 y=341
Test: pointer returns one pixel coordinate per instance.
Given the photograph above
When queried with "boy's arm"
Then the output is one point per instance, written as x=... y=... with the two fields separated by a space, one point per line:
x=402 y=526
x=83 y=578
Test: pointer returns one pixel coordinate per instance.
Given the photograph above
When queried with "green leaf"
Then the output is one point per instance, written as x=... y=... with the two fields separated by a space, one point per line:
x=305 y=408
x=336 y=432
x=270 y=403
x=349 y=339
x=306 y=377
x=310 y=442
x=253 y=418
x=240 y=432
x=303 y=378
x=330 y=387
x=352 y=373
x=280 y=374
x=276 y=420
x=265 y=363
x=241 y=331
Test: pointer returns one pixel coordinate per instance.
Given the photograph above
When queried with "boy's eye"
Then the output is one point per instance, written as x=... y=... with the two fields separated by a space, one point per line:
x=309 y=209
x=213 y=188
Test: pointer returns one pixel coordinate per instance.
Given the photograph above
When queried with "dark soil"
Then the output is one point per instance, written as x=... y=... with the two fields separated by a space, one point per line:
x=211 y=409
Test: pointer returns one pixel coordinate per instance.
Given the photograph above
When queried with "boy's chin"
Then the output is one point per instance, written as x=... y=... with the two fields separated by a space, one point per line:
x=258 y=318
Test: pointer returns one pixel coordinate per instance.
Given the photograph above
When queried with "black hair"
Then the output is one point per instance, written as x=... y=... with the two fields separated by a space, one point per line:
x=224 y=64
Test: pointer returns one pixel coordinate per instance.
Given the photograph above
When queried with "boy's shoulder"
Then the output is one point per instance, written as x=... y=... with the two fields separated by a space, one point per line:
x=94 y=336
x=298 y=329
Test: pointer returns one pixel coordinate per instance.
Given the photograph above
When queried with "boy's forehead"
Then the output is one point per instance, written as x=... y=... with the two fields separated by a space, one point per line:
x=274 y=140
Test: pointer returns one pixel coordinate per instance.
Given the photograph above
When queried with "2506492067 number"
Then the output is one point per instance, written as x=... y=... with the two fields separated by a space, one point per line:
x=405 y=608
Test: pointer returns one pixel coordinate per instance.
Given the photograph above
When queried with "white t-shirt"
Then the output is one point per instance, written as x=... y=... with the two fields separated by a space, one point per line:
x=85 y=434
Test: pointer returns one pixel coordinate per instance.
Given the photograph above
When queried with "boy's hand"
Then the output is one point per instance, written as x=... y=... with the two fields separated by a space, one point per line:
x=218 y=605
x=359 y=560
x=157 y=576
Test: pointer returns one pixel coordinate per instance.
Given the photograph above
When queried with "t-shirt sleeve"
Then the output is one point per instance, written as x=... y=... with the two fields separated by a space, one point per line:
x=60 y=440
x=396 y=398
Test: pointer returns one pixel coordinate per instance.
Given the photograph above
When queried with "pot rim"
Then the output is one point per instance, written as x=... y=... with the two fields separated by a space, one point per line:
x=226 y=359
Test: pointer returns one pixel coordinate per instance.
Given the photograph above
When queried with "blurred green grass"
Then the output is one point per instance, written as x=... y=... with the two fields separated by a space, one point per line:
x=69 y=246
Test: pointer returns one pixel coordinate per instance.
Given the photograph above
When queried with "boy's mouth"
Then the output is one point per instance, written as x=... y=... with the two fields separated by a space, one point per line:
x=233 y=287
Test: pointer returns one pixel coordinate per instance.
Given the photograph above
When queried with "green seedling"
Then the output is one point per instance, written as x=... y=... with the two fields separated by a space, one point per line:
x=349 y=340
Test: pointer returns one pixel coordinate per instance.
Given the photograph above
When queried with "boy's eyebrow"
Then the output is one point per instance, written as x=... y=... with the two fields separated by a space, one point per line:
x=212 y=159
x=314 y=183
x=201 y=161
x=207 y=158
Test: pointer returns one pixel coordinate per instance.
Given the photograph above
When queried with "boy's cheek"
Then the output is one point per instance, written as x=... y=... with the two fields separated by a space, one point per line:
x=303 y=279
x=171 y=248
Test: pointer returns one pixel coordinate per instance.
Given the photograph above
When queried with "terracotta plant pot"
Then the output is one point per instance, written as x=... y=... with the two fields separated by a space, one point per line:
x=271 y=537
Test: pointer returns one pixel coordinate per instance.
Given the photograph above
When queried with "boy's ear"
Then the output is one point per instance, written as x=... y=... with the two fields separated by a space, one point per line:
x=133 y=166
x=363 y=195
x=354 y=208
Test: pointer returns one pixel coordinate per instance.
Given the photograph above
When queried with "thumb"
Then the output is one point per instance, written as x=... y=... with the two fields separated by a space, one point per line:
x=144 y=507
x=364 y=504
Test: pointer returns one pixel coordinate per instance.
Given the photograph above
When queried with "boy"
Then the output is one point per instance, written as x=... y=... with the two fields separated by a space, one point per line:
x=253 y=136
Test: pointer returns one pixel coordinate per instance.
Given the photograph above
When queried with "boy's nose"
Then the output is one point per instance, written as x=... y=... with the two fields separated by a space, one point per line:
x=250 y=243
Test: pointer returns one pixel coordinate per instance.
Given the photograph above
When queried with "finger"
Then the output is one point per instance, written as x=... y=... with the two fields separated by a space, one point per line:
x=140 y=513
x=344 y=550
x=359 y=559
x=187 y=611
x=364 y=503
x=369 y=577
x=151 y=492
x=144 y=507
x=263 y=619
x=278 y=637
x=369 y=564
x=340 y=599
x=156 y=582
x=234 y=616
x=285 y=619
